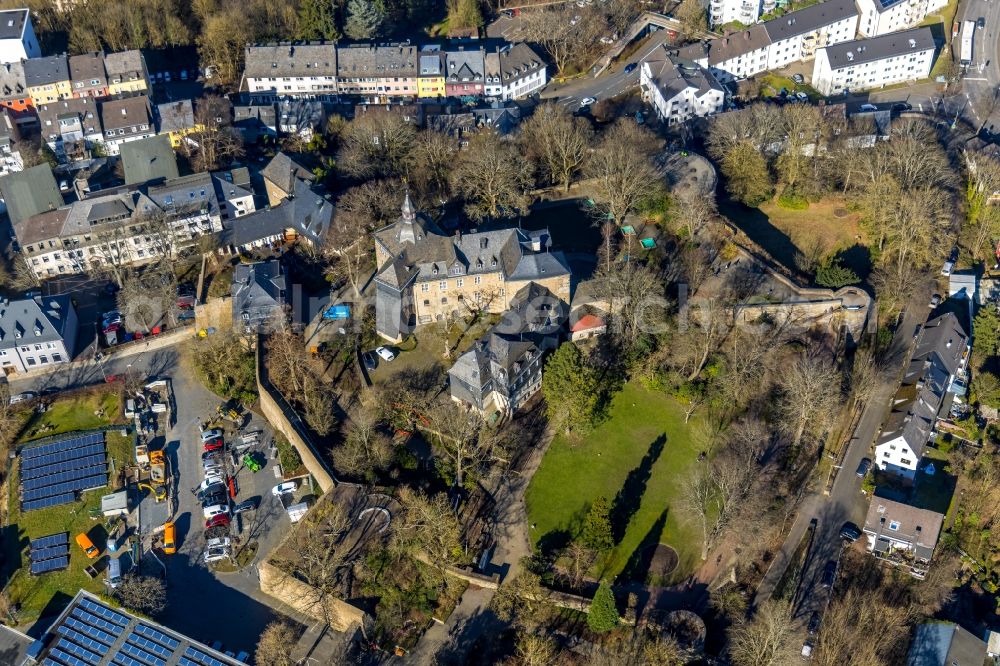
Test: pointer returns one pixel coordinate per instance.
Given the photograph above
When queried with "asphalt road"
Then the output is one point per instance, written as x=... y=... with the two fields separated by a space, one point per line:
x=982 y=78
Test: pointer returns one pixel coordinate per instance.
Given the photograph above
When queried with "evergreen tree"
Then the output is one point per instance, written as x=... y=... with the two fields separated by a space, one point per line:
x=596 y=532
x=603 y=615
x=570 y=388
x=831 y=273
x=317 y=20
x=986 y=342
x=364 y=18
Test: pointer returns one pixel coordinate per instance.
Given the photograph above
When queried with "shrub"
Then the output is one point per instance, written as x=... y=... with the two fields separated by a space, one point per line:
x=603 y=615
x=831 y=273
x=287 y=455
x=793 y=201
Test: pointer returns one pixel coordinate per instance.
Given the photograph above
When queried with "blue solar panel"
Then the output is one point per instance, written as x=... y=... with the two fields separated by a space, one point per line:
x=149 y=645
x=202 y=658
x=62 y=445
x=82 y=639
x=49 y=553
x=86 y=483
x=113 y=629
x=105 y=612
x=50 y=540
x=157 y=636
x=49 y=565
x=36 y=473
x=68 y=475
x=125 y=660
x=67 y=658
x=61 y=457
x=91 y=630
x=78 y=651
x=142 y=655
x=48 y=661
x=46 y=502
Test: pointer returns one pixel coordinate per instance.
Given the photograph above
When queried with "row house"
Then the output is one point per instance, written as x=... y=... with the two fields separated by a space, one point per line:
x=17 y=36
x=679 y=89
x=87 y=75
x=514 y=71
x=234 y=192
x=273 y=71
x=776 y=43
x=70 y=127
x=36 y=333
x=10 y=157
x=880 y=17
x=864 y=64
x=377 y=70
x=126 y=72
x=124 y=120
x=47 y=79
x=97 y=75
x=176 y=120
x=14 y=94
x=465 y=72
x=432 y=70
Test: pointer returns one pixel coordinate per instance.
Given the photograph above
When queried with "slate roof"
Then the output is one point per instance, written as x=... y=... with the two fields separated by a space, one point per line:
x=307 y=212
x=46 y=70
x=87 y=67
x=124 y=66
x=808 y=19
x=176 y=116
x=229 y=185
x=12 y=22
x=465 y=65
x=258 y=289
x=43 y=226
x=291 y=59
x=945 y=644
x=739 y=43
x=148 y=160
x=37 y=320
x=514 y=63
x=264 y=113
x=919 y=527
x=30 y=192
x=83 y=108
x=376 y=61
x=283 y=171
x=126 y=113
x=860 y=51
x=12 y=82
x=431 y=62
x=673 y=74
x=187 y=193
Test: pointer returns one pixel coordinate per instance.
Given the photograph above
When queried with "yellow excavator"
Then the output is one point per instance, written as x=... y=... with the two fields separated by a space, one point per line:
x=159 y=492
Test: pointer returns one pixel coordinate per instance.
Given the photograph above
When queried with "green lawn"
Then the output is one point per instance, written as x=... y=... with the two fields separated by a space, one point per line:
x=38 y=595
x=574 y=473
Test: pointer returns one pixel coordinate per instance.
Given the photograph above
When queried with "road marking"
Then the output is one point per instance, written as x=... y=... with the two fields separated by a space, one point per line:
x=969 y=78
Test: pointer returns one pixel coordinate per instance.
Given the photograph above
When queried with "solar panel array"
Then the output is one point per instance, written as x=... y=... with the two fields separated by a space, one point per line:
x=199 y=658
x=49 y=553
x=52 y=474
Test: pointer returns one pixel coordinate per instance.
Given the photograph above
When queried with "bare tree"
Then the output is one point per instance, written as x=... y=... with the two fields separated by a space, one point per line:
x=377 y=143
x=427 y=526
x=468 y=444
x=218 y=143
x=984 y=218
x=767 y=639
x=698 y=504
x=622 y=169
x=810 y=394
x=636 y=300
x=521 y=599
x=557 y=141
x=533 y=650
x=567 y=41
x=693 y=211
x=492 y=178
x=275 y=645
x=849 y=624
x=367 y=449
x=143 y=594
x=434 y=158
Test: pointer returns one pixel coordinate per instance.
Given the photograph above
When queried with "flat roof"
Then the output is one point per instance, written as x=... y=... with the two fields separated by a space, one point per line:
x=12 y=23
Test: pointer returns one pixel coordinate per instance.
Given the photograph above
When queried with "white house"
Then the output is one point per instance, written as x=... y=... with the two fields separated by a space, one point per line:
x=36 y=332
x=678 y=88
x=940 y=357
x=124 y=120
x=514 y=71
x=746 y=12
x=864 y=64
x=880 y=17
x=274 y=71
x=17 y=36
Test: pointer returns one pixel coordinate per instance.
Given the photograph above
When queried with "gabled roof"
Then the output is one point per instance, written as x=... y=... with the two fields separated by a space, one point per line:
x=283 y=171
x=376 y=61
x=82 y=108
x=124 y=66
x=916 y=526
x=126 y=113
x=291 y=59
x=465 y=65
x=12 y=82
x=258 y=286
x=176 y=116
x=87 y=67
x=738 y=43
x=37 y=320
x=808 y=19
x=46 y=70
x=515 y=62
x=148 y=160
x=945 y=644
x=305 y=212
x=673 y=74
x=30 y=192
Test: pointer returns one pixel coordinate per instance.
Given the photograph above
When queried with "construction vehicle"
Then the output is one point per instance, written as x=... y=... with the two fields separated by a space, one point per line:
x=159 y=492
x=251 y=463
x=231 y=411
x=157 y=467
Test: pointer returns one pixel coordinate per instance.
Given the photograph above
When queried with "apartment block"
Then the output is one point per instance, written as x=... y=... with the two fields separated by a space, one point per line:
x=864 y=64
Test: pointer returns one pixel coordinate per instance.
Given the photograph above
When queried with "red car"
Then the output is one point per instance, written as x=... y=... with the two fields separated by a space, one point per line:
x=213 y=444
x=221 y=520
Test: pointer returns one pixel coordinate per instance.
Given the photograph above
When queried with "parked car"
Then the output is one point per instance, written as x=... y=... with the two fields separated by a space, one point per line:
x=850 y=531
x=215 y=510
x=213 y=445
x=629 y=68
x=948 y=267
x=87 y=545
x=215 y=433
x=282 y=488
x=814 y=621
x=216 y=553
x=369 y=361
x=247 y=505
x=863 y=467
x=588 y=101
x=802 y=97
x=798 y=78
x=213 y=467
x=214 y=499
x=21 y=397
x=829 y=573
x=868 y=108
x=211 y=454
x=902 y=106
x=981 y=23
x=210 y=481
x=218 y=520
x=386 y=353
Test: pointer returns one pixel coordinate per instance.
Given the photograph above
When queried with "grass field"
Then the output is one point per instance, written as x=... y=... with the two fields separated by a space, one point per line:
x=816 y=224
x=42 y=595
x=640 y=454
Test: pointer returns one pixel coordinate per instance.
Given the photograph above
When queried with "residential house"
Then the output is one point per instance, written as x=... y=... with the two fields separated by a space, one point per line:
x=173 y=63
x=466 y=71
x=36 y=333
x=412 y=114
x=461 y=123
x=130 y=636
x=189 y=204
x=939 y=358
x=880 y=17
x=255 y=121
x=503 y=369
x=286 y=69
x=10 y=155
x=514 y=71
x=302 y=215
x=176 y=120
x=149 y=160
x=14 y=96
x=586 y=327
x=377 y=70
x=124 y=120
x=234 y=192
x=259 y=296
x=902 y=534
x=70 y=127
x=30 y=192
x=88 y=76
x=302 y=117
x=431 y=82
x=280 y=176
x=679 y=89
x=47 y=79
x=864 y=64
x=126 y=72
x=945 y=644
x=746 y=12
x=736 y=56
x=424 y=275
x=17 y=36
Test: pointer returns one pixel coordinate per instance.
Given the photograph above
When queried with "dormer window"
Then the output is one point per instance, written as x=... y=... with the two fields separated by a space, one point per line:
x=494 y=262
